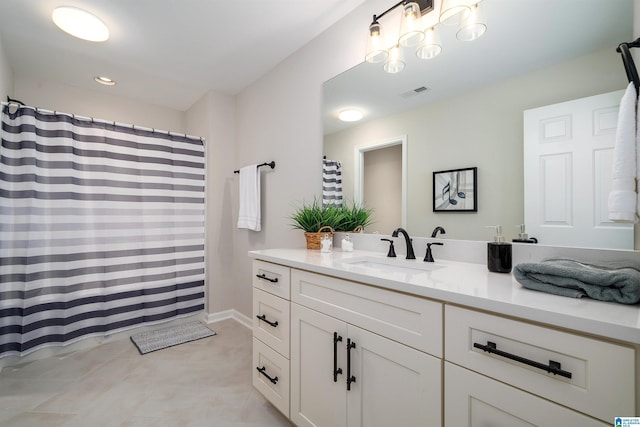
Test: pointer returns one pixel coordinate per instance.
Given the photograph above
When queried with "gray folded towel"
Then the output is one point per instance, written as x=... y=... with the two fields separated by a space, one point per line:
x=612 y=281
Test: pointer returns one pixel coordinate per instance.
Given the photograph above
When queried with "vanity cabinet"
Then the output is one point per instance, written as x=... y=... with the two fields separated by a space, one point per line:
x=547 y=372
x=359 y=355
x=343 y=375
x=348 y=353
x=271 y=337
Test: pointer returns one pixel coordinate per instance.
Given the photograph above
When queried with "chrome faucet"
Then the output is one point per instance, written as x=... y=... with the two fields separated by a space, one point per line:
x=435 y=231
x=407 y=240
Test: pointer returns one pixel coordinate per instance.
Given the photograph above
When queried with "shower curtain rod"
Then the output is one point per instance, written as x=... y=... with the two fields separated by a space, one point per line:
x=627 y=60
x=19 y=104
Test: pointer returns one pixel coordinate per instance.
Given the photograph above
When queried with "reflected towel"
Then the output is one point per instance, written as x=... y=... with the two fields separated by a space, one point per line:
x=249 y=213
x=623 y=198
x=331 y=183
x=612 y=281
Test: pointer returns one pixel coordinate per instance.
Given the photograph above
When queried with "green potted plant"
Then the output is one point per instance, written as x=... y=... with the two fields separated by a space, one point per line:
x=355 y=217
x=316 y=220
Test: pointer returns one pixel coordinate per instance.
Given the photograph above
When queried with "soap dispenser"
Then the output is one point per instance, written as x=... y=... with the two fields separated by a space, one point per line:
x=498 y=252
x=347 y=244
x=326 y=243
x=523 y=237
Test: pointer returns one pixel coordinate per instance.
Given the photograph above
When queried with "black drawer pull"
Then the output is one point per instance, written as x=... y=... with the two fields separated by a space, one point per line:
x=350 y=378
x=553 y=367
x=263 y=277
x=336 y=371
x=262 y=371
x=264 y=319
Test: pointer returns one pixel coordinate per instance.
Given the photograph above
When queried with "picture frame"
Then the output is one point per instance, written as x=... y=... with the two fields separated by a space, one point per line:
x=455 y=190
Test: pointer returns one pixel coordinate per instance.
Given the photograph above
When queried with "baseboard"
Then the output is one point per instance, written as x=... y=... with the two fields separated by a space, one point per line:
x=228 y=314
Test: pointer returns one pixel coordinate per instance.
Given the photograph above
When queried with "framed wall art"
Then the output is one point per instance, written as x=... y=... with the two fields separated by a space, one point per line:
x=455 y=190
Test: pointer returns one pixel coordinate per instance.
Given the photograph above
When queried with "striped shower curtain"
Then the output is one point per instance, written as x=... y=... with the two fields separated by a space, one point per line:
x=101 y=228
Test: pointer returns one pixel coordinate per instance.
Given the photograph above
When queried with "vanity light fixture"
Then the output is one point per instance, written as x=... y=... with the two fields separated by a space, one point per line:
x=104 y=80
x=80 y=23
x=350 y=115
x=466 y=13
x=473 y=26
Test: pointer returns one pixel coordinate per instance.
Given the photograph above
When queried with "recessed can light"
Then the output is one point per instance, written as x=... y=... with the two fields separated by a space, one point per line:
x=80 y=23
x=104 y=81
x=351 y=115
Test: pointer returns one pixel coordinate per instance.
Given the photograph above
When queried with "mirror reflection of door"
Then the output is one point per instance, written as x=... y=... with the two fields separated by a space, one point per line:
x=568 y=151
x=382 y=182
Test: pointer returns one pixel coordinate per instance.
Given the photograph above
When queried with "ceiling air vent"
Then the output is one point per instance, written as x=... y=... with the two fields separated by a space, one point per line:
x=414 y=92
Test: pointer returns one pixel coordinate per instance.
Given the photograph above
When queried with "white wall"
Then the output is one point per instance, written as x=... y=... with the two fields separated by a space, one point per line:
x=213 y=117
x=6 y=76
x=72 y=100
x=279 y=118
x=481 y=128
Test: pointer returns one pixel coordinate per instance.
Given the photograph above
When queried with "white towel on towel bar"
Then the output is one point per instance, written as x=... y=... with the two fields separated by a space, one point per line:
x=249 y=212
x=623 y=198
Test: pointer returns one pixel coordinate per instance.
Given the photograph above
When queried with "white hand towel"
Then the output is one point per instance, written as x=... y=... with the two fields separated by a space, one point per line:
x=623 y=199
x=249 y=214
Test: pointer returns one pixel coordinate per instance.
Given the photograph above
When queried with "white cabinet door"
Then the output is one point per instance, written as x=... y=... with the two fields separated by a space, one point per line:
x=474 y=400
x=316 y=399
x=395 y=385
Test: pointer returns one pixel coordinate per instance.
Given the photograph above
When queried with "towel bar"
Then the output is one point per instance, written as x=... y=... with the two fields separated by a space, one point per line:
x=271 y=164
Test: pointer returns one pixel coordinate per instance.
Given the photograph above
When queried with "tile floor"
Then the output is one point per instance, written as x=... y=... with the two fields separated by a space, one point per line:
x=201 y=383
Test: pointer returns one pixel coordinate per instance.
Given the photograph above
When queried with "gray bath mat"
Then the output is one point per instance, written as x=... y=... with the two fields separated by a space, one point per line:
x=169 y=337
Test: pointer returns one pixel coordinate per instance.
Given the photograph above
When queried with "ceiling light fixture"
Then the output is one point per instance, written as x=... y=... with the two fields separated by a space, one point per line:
x=351 y=115
x=104 y=80
x=466 y=13
x=80 y=23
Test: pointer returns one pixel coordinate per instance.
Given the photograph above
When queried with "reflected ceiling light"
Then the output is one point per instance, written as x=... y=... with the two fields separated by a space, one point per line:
x=104 y=80
x=351 y=115
x=473 y=26
x=413 y=31
x=80 y=23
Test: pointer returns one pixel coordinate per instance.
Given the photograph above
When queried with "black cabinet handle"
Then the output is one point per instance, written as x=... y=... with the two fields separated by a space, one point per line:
x=264 y=319
x=350 y=378
x=336 y=338
x=553 y=367
x=263 y=277
x=262 y=371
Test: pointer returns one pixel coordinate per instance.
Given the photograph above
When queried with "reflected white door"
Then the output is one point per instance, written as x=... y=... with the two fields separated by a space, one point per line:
x=568 y=155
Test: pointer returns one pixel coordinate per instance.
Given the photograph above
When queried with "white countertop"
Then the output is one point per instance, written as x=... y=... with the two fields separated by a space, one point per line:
x=472 y=285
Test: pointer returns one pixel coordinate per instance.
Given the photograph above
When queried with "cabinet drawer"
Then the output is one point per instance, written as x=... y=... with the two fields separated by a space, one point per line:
x=272 y=380
x=272 y=278
x=602 y=374
x=414 y=321
x=473 y=399
x=271 y=321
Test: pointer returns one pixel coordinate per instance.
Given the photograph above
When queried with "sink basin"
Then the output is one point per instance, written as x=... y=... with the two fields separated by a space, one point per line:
x=392 y=265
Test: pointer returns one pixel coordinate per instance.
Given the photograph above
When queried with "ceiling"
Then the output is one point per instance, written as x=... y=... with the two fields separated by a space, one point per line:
x=522 y=36
x=164 y=52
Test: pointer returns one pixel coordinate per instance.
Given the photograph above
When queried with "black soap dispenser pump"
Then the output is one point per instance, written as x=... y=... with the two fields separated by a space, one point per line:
x=498 y=253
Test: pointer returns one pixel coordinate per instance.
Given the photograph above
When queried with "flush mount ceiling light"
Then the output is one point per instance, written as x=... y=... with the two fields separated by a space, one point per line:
x=104 y=80
x=465 y=13
x=351 y=115
x=80 y=23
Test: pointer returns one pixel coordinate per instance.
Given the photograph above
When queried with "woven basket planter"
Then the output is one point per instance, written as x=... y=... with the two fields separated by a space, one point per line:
x=313 y=239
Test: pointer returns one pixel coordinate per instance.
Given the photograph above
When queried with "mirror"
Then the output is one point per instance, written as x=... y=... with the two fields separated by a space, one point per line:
x=465 y=107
